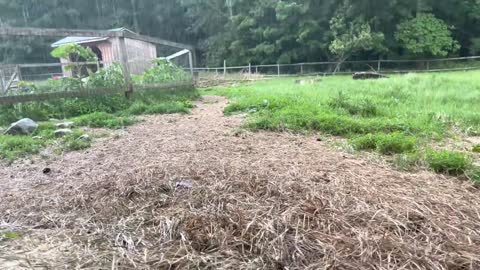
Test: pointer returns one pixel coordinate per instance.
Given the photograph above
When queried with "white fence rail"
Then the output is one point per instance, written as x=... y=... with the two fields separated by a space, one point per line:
x=349 y=67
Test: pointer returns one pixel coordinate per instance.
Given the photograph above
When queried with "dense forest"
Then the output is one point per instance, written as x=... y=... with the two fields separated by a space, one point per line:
x=262 y=31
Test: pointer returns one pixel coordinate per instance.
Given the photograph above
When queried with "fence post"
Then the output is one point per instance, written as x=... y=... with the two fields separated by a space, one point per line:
x=125 y=67
x=191 y=64
x=256 y=69
x=301 y=68
x=249 y=68
x=428 y=65
x=224 y=68
x=379 y=66
x=2 y=82
x=19 y=73
x=278 y=69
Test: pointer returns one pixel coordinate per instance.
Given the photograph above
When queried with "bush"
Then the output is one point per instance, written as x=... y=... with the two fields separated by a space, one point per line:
x=162 y=71
x=448 y=162
x=387 y=144
x=74 y=142
x=101 y=119
x=13 y=147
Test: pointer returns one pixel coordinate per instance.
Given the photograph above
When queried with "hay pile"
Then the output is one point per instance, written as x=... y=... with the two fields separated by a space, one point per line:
x=253 y=201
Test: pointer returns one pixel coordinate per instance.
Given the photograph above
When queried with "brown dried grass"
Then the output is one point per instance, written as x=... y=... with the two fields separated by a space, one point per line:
x=258 y=201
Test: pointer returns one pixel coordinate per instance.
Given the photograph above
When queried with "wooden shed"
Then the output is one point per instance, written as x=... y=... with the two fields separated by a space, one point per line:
x=140 y=53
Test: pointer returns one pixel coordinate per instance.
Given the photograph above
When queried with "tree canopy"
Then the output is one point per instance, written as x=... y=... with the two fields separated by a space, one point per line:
x=262 y=31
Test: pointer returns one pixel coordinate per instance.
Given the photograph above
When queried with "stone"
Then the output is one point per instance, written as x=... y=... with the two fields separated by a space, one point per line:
x=64 y=125
x=37 y=137
x=183 y=185
x=25 y=126
x=368 y=76
x=84 y=137
x=62 y=132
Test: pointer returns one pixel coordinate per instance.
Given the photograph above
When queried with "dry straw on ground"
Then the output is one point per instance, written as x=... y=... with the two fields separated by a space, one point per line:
x=245 y=201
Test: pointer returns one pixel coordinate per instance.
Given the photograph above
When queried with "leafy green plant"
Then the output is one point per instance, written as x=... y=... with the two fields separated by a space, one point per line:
x=111 y=76
x=448 y=162
x=75 y=53
x=163 y=71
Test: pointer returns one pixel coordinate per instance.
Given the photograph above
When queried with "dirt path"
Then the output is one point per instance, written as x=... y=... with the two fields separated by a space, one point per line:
x=195 y=192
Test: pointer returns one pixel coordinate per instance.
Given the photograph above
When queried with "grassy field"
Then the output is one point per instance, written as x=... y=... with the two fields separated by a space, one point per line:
x=406 y=116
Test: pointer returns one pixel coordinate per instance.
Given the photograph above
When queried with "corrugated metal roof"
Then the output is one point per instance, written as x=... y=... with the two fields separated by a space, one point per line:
x=77 y=40
x=81 y=40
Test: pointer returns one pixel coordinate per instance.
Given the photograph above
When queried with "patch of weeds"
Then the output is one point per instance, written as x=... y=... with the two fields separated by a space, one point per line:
x=13 y=147
x=45 y=130
x=101 y=119
x=8 y=235
x=364 y=107
x=448 y=162
x=407 y=161
x=387 y=144
x=137 y=108
x=74 y=141
x=474 y=175
x=476 y=148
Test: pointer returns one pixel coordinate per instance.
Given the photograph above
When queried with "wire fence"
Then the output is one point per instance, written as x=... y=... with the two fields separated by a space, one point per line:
x=48 y=81
x=348 y=67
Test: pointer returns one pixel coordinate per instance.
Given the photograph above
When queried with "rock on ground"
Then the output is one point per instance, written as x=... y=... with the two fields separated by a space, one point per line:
x=62 y=132
x=25 y=126
x=368 y=75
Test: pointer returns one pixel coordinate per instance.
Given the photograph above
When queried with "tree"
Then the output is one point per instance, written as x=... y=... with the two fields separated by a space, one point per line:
x=426 y=35
x=351 y=36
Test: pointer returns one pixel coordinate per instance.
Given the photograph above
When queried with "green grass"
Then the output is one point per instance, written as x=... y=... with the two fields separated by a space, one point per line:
x=14 y=147
x=102 y=119
x=402 y=115
x=476 y=148
x=74 y=142
x=424 y=105
x=448 y=162
x=387 y=144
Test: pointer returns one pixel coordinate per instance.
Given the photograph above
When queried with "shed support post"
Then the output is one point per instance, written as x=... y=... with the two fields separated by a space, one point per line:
x=125 y=67
x=190 y=62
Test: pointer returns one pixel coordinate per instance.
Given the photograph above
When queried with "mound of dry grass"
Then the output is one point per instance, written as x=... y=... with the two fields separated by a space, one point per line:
x=256 y=201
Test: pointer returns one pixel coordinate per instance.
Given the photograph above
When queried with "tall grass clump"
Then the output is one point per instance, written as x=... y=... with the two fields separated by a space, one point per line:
x=387 y=144
x=448 y=162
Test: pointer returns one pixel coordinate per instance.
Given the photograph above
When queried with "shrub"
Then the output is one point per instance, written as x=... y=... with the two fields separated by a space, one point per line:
x=448 y=162
x=387 y=144
x=101 y=119
x=13 y=147
x=161 y=72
